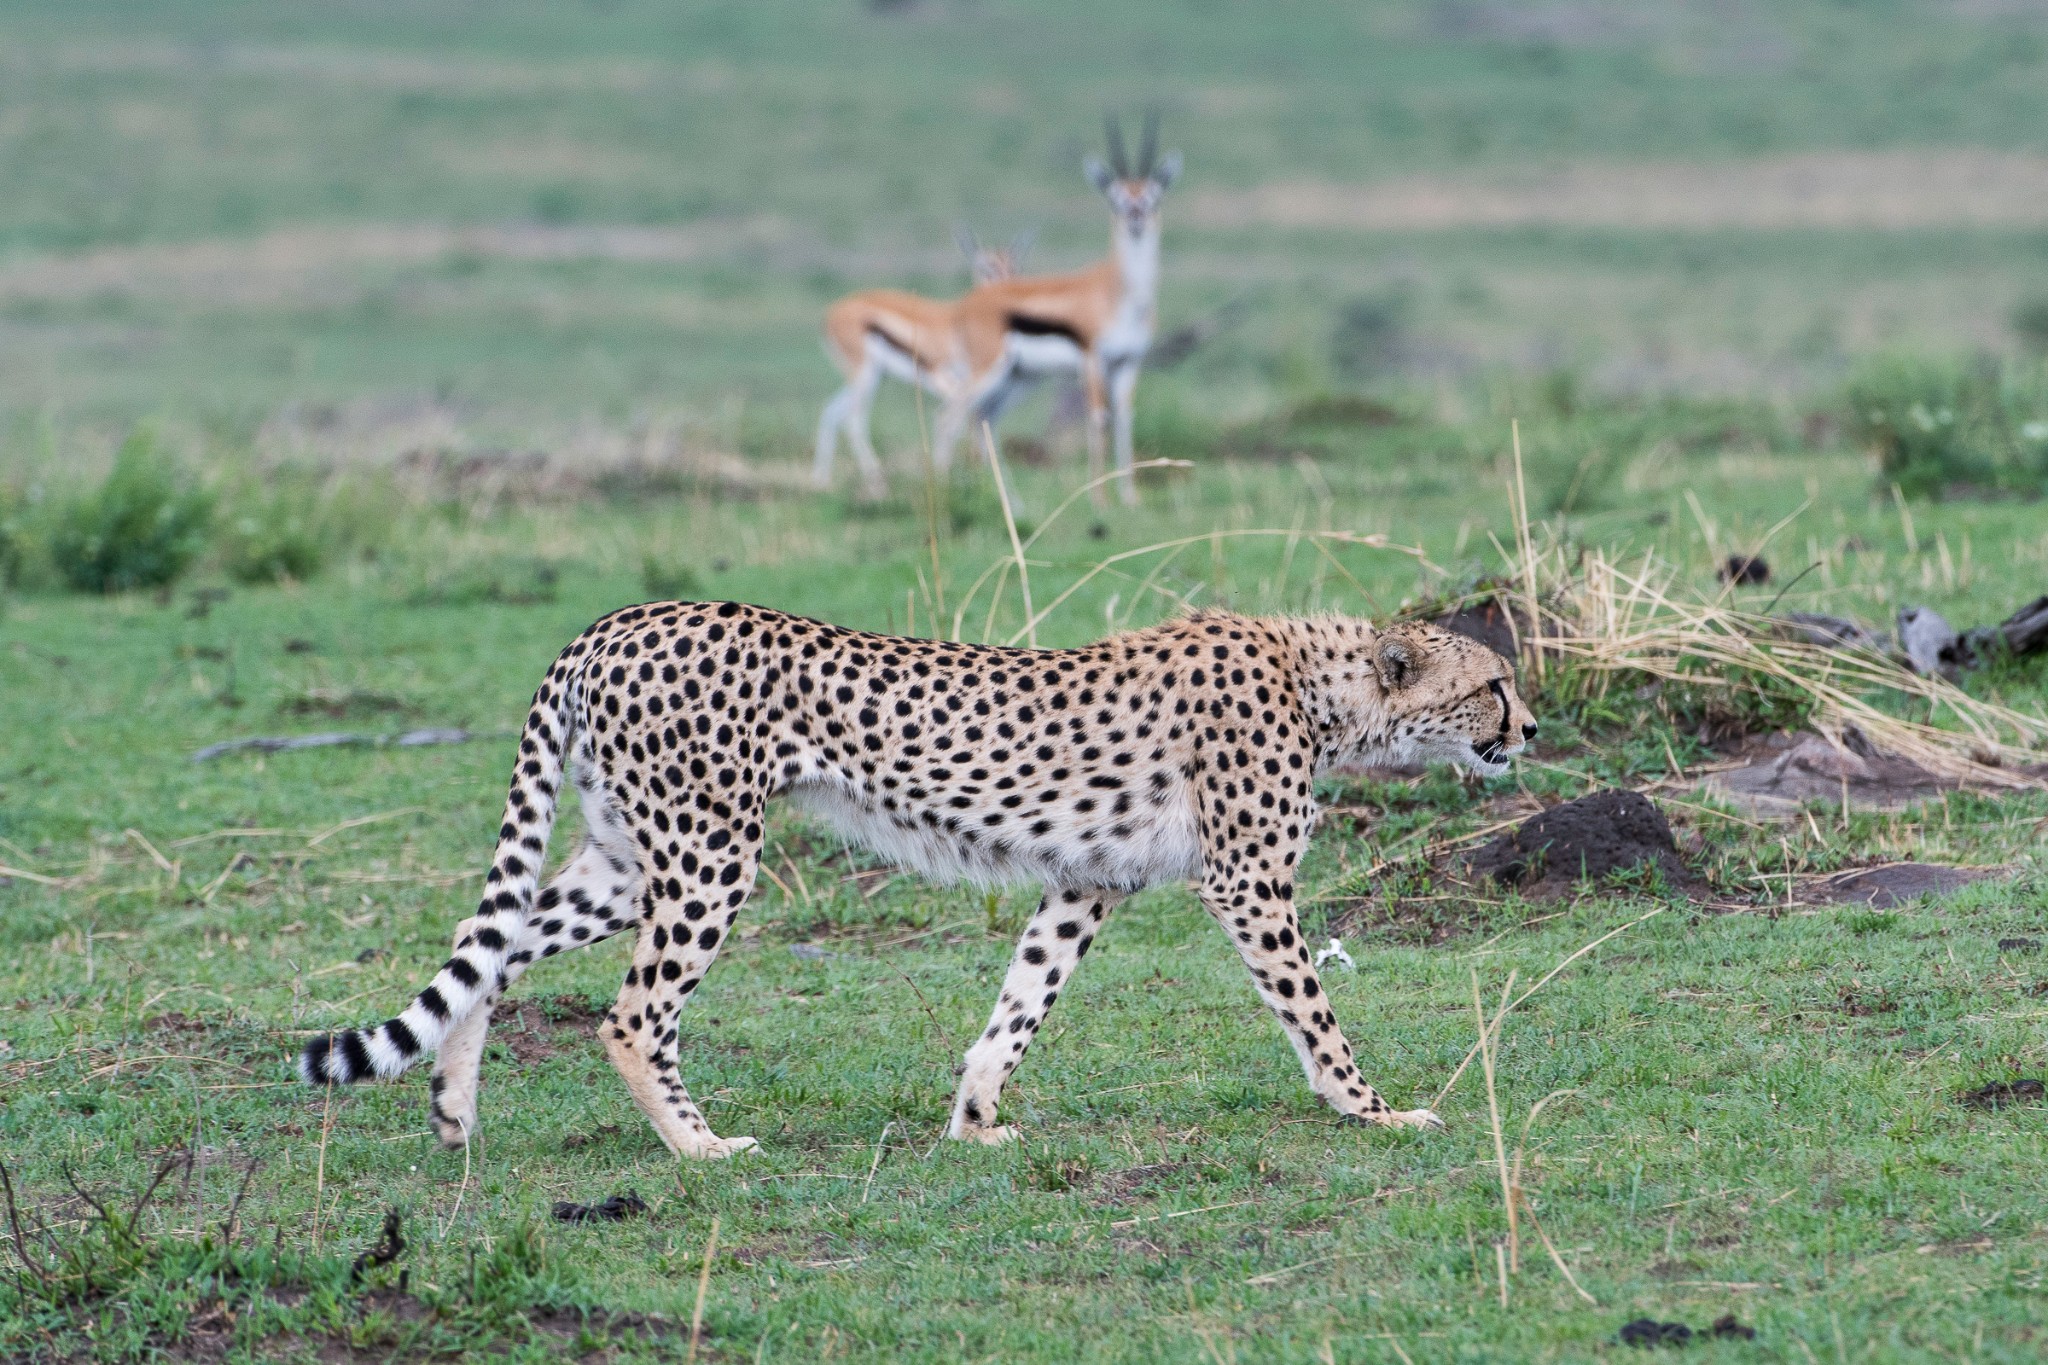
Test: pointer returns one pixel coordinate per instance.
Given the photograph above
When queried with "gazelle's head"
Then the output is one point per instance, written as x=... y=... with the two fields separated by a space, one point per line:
x=1134 y=192
x=990 y=264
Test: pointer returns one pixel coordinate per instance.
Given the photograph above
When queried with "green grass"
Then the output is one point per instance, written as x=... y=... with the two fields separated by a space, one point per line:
x=349 y=236
x=213 y=209
x=1761 y=1100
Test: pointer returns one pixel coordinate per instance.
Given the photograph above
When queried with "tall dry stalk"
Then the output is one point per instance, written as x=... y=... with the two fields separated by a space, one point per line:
x=1615 y=623
x=995 y=464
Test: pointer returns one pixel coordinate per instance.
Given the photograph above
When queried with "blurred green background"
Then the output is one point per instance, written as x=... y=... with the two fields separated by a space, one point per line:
x=455 y=222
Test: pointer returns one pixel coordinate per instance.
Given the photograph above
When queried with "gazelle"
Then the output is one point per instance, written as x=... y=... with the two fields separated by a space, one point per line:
x=879 y=332
x=1097 y=322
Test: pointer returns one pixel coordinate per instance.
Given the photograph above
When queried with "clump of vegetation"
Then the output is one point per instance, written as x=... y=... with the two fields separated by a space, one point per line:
x=2030 y=321
x=511 y=581
x=1941 y=428
x=1370 y=337
x=670 y=582
x=10 y=536
x=141 y=528
x=274 y=534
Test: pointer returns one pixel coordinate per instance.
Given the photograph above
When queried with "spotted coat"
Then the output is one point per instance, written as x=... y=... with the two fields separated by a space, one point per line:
x=1182 y=753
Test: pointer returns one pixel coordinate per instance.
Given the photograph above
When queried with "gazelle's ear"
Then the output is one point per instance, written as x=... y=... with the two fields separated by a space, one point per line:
x=1396 y=661
x=1167 y=171
x=1099 y=175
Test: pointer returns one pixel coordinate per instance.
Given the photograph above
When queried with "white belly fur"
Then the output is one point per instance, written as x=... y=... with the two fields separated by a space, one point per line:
x=1036 y=355
x=1162 y=846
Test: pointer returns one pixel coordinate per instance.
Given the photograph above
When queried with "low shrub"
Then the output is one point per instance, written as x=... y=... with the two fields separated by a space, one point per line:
x=1941 y=428
x=274 y=534
x=141 y=528
x=670 y=582
x=11 y=535
x=497 y=580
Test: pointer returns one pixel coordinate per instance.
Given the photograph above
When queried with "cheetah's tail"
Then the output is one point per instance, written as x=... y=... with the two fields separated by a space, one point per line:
x=477 y=968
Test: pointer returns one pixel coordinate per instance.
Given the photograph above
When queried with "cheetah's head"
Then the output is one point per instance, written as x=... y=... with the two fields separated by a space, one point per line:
x=1418 y=693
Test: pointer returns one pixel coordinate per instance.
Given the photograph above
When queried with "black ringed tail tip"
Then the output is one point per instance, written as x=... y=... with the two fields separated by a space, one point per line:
x=313 y=1061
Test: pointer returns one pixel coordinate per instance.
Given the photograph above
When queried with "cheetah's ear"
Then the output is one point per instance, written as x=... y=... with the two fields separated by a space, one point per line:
x=1396 y=661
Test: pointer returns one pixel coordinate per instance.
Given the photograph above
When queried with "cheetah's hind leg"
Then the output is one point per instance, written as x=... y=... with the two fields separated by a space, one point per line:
x=683 y=922
x=586 y=903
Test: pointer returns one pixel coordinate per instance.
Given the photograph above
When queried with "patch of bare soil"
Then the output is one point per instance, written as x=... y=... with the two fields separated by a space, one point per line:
x=1781 y=773
x=1887 y=190
x=1120 y=1187
x=534 y=1030
x=1548 y=855
x=1999 y=1094
x=1892 y=884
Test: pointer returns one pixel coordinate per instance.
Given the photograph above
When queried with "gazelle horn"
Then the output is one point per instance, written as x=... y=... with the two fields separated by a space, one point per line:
x=1118 y=161
x=1148 y=143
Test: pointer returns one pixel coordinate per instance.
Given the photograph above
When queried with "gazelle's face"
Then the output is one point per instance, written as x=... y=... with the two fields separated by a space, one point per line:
x=1134 y=200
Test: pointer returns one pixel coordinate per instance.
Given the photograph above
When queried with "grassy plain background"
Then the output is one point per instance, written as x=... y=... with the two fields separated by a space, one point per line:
x=350 y=231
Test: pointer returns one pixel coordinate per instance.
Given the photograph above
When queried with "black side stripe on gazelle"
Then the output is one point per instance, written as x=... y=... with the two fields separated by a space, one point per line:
x=1024 y=324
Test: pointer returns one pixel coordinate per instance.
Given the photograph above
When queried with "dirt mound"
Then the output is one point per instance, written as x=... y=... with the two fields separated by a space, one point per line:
x=1489 y=623
x=1609 y=831
x=1894 y=884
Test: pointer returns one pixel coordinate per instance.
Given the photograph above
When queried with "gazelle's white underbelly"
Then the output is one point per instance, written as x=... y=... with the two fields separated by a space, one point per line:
x=897 y=363
x=1039 y=355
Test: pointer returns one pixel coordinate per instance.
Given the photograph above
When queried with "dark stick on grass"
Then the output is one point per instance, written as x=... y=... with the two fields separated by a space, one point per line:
x=1773 y=606
x=229 y=1227
x=20 y=1238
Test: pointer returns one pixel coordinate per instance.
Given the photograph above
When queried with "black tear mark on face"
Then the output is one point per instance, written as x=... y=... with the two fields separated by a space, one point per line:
x=1489 y=749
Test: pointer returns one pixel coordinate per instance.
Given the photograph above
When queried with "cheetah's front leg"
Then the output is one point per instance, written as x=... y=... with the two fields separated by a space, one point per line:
x=1053 y=943
x=1253 y=899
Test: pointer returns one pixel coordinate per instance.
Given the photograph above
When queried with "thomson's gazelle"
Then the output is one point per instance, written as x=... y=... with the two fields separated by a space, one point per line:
x=879 y=332
x=1097 y=322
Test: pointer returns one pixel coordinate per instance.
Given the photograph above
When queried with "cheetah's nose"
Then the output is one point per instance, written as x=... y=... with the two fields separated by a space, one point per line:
x=1529 y=730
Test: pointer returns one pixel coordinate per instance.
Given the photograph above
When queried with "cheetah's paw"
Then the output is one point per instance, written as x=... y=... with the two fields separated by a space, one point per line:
x=990 y=1137
x=718 y=1149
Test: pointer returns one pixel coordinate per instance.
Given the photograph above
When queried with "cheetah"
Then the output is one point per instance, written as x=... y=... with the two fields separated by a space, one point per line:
x=1180 y=753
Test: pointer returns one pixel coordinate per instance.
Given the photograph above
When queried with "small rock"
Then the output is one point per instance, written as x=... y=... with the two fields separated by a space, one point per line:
x=1745 y=571
x=1649 y=1332
x=811 y=952
x=612 y=1210
x=1892 y=885
x=1835 y=632
x=2019 y=945
x=1727 y=1326
x=1928 y=640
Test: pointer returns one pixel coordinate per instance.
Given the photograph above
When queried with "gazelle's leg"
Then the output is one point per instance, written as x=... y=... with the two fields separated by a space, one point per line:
x=829 y=422
x=1052 y=944
x=1123 y=389
x=858 y=429
x=957 y=408
x=1092 y=391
